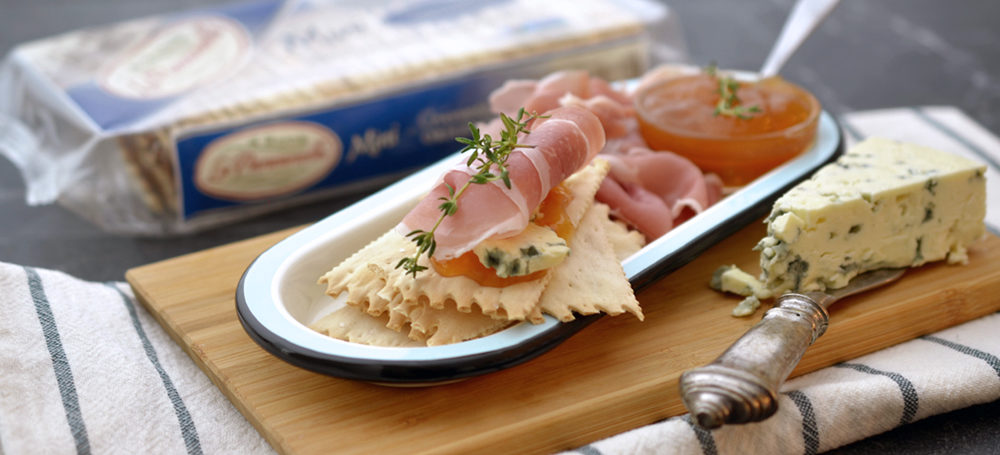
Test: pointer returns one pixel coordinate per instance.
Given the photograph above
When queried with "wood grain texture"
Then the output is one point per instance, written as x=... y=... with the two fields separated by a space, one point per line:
x=615 y=375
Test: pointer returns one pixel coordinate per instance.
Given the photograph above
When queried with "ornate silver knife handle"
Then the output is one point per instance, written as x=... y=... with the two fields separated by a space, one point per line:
x=742 y=384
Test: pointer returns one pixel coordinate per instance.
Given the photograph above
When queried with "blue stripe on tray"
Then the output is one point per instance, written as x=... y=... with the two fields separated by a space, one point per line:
x=704 y=436
x=992 y=360
x=911 y=402
x=64 y=374
x=810 y=430
x=589 y=450
x=188 y=430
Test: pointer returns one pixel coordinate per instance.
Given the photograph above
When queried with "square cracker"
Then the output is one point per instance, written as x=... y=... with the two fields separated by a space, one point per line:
x=591 y=280
x=373 y=282
x=436 y=291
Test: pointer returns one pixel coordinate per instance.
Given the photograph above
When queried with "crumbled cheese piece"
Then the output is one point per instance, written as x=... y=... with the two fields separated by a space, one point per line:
x=731 y=279
x=746 y=307
x=536 y=248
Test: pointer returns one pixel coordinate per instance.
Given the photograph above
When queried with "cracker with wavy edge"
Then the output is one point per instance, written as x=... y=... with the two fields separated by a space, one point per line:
x=373 y=282
x=435 y=326
x=354 y=325
x=423 y=325
x=597 y=264
x=445 y=326
x=591 y=280
x=363 y=275
x=517 y=302
x=448 y=325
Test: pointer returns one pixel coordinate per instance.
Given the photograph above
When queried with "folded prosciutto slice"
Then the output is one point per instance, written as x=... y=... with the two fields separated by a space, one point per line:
x=551 y=92
x=652 y=191
x=563 y=141
x=655 y=191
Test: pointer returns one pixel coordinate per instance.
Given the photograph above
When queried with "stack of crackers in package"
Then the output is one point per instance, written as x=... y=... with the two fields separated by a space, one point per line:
x=172 y=124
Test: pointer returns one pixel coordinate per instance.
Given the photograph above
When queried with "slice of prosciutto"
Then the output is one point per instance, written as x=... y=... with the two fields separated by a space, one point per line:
x=652 y=191
x=614 y=116
x=563 y=141
x=563 y=88
x=656 y=191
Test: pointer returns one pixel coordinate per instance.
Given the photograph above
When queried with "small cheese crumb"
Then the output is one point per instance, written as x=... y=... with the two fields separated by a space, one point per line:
x=729 y=278
x=746 y=307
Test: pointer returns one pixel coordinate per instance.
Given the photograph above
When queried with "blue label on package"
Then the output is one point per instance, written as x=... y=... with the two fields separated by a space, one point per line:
x=337 y=147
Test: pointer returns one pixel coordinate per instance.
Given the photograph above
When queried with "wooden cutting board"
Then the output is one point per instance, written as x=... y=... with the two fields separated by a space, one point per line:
x=615 y=375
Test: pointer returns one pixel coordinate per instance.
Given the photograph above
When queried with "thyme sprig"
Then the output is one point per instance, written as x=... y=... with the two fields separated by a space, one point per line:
x=728 y=103
x=488 y=158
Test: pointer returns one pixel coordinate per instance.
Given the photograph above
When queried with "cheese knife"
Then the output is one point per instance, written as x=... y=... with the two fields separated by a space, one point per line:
x=741 y=385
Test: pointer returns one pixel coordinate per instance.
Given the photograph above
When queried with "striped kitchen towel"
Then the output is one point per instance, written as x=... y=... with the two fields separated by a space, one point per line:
x=869 y=395
x=85 y=369
x=846 y=402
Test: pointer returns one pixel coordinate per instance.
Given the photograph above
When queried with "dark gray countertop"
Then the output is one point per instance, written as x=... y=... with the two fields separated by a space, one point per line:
x=867 y=55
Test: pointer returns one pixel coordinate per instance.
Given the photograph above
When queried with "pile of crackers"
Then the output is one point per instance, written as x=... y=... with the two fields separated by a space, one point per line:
x=385 y=306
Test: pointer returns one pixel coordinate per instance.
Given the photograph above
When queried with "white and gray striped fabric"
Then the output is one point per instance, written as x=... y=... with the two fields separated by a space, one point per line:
x=84 y=369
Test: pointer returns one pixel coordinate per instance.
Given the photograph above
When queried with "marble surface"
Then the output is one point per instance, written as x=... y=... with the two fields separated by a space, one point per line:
x=866 y=55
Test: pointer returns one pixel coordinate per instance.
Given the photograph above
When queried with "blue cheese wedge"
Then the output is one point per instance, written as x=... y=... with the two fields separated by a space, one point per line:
x=536 y=248
x=882 y=204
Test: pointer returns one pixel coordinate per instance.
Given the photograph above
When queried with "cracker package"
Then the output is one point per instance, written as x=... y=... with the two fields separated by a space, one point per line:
x=175 y=123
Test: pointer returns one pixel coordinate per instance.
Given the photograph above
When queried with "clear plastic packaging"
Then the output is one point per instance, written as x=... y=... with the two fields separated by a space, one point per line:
x=175 y=123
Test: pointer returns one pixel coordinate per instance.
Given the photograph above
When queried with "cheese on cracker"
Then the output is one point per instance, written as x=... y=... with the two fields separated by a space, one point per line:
x=434 y=309
x=362 y=274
